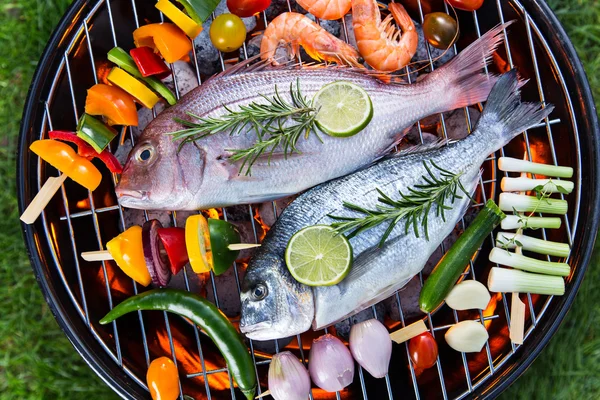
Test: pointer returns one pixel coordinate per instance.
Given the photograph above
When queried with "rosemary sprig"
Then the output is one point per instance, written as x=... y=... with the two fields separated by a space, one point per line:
x=278 y=124
x=414 y=206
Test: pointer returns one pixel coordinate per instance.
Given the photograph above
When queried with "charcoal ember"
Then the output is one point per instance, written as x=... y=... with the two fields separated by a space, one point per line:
x=226 y=291
x=343 y=327
x=182 y=216
x=133 y=217
x=269 y=345
x=145 y=116
x=413 y=138
x=185 y=76
x=280 y=6
x=238 y=213
x=246 y=236
x=252 y=47
x=409 y=300
x=249 y=22
x=422 y=54
x=456 y=123
x=334 y=27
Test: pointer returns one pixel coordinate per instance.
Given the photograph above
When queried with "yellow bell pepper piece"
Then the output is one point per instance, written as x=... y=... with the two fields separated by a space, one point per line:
x=179 y=18
x=197 y=242
x=170 y=41
x=128 y=253
x=62 y=157
x=137 y=89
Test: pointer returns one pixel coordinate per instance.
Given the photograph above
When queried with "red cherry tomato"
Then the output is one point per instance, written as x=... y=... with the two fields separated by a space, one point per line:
x=247 y=8
x=423 y=350
x=466 y=5
x=162 y=379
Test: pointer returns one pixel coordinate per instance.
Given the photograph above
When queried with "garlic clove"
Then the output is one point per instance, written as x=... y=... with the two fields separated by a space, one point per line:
x=467 y=336
x=288 y=378
x=468 y=295
x=371 y=347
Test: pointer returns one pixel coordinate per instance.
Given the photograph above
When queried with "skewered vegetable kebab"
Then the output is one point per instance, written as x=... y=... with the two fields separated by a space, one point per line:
x=207 y=244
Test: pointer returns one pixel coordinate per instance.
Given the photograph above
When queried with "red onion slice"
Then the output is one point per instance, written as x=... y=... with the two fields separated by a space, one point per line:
x=156 y=261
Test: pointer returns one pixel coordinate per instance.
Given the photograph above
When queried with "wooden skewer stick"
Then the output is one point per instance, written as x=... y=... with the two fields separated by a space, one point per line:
x=104 y=255
x=265 y=393
x=39 y=202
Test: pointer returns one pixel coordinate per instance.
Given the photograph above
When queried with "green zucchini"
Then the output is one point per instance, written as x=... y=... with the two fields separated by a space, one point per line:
x=448 y=270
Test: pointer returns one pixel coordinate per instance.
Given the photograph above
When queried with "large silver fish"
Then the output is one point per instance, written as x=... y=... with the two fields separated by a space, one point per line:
x=274 y=305
x=202 y=176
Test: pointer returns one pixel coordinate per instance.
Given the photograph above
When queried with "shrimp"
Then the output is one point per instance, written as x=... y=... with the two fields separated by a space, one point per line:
x=326 y=9
x=379 y=42
x=298 y=30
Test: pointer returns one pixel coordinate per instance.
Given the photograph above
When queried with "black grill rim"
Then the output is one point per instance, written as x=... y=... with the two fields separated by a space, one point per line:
x=94 y=355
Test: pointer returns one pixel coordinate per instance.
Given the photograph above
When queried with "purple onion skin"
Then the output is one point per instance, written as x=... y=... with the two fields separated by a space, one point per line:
x=371 y=347
x=330 y=364
x=157 y=267
x=288 y=378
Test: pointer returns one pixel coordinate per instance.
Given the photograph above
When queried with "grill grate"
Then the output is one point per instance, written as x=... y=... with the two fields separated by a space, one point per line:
x=110 y=341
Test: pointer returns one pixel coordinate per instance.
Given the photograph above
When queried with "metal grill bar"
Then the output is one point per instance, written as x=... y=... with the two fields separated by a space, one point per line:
x=93 y=212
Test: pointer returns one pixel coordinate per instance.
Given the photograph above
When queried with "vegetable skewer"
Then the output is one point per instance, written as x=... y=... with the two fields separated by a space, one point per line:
x=104 y=255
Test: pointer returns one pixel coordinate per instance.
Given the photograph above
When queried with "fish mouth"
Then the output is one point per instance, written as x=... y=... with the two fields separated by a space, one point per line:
x=258 y=331
x=131 y=197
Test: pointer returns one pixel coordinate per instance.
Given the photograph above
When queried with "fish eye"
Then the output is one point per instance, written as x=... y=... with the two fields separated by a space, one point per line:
x=259 y=292
x=145 y=154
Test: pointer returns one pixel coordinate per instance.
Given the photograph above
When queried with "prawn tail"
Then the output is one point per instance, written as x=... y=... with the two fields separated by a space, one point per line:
x=464 y=82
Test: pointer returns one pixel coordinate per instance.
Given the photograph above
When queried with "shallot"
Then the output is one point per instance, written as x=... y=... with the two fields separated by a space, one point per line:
x=330 y=364
x=288 y=378
x=371 y=347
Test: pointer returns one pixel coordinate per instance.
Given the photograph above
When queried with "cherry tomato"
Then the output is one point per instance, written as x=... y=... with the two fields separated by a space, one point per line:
x=162 y=379
x=440 y=30
x=227 y=32
x=466 y=5
x=247 y=8
x=423 y=350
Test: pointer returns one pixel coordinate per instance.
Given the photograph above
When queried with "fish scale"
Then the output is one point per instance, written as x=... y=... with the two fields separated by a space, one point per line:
x=377 y=272
x=206 y=178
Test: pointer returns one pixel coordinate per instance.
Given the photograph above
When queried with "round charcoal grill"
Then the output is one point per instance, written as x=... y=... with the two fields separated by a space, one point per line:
x=80 y=293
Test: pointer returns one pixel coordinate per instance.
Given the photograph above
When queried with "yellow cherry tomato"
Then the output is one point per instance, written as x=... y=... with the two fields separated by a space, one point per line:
x=197 y=242
x=62 y=157
x=227 y=32
x=162 y=379
x=128 y=252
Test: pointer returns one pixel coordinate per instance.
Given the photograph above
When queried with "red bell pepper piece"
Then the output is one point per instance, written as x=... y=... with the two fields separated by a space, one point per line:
x=87 y=151
x=173 y=240
x=149 y=63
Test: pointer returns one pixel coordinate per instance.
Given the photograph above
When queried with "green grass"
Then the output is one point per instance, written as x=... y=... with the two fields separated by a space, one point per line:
x=37 y=361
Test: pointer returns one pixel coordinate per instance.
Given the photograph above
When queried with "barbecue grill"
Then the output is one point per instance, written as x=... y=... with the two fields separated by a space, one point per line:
x=80 y=293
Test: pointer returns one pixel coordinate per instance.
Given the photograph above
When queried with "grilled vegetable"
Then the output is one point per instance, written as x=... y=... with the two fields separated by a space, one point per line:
x=522 y=203
x=87 y=151
x=222 y=234
x=128 y=252
x=288 y=378
x=204 y=314
x=185 y=23
x=467 y=336
x=113 y=103
x=330 y=363
x=94 y=132
x=227 y=32
x=466 y=5
x=371 y=346
x=509 y=164
x=519 y=261
x=123 y=60
x=528 y=222
x=448 y=270
x=522 y=184
x=247 y=8
x=199 y=10
x=197 y=242
x=173 y=240
x=468 y=295
x=131 y=85
x=440 y=30
x=511 y=280
x=62 y=157
x=509 y=240
x=157 y=263
x=149 y=63
x=170 y=41
x=162 y=379
x=423 y=351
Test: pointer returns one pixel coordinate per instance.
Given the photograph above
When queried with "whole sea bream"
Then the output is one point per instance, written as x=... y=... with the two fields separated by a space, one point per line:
x=201 y=175
x=274 y=305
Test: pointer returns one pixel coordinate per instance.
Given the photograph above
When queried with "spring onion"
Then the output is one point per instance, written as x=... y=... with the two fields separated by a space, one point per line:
x=523 y=222
x=510 y=240
x=547 y=185
x=511 y=280
x=510 y=164
x=521 y=203
x=504 y=257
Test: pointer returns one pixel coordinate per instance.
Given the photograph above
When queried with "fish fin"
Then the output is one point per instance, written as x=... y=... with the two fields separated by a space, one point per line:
x=462 y=84
x=504 y=108
x=423 y=148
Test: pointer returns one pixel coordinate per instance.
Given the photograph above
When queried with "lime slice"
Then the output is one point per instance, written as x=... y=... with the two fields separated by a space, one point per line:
x=344 y=109
x=318 y=256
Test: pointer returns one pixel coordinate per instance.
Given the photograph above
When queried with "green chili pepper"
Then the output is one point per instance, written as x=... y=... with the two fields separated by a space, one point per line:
x=123 y=60
x=199 y=10
x=204 y=314
x=94 y=132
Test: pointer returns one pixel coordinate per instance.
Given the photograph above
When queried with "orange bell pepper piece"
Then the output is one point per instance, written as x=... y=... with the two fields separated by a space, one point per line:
x=113 y=103
x=62 y=157
x=128 y=253
x=166 y=38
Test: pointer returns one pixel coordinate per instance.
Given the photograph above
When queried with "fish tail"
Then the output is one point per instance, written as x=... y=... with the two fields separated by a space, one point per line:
x=463 y=82
x=504 y=109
